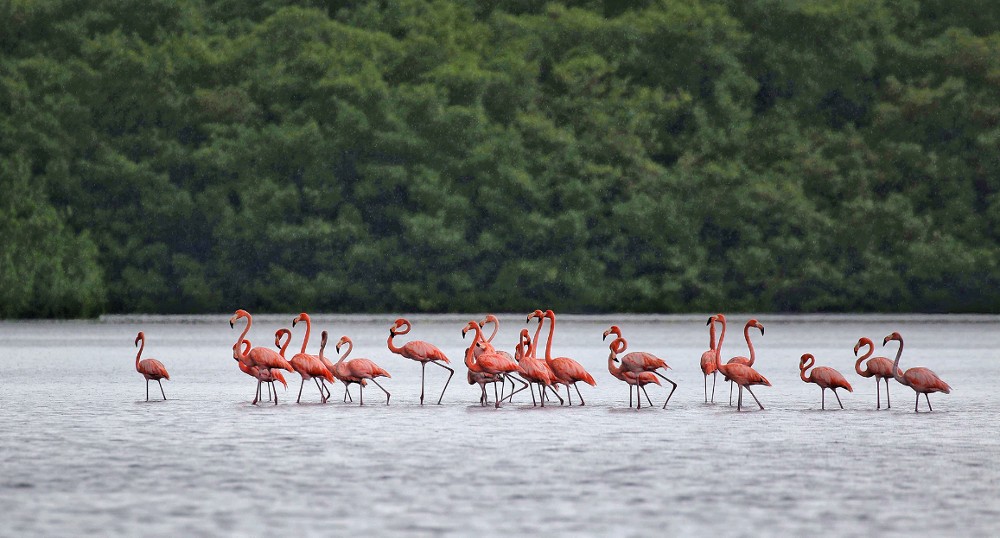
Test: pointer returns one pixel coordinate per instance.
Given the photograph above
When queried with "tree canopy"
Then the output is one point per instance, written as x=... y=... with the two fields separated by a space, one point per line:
x=457 y=155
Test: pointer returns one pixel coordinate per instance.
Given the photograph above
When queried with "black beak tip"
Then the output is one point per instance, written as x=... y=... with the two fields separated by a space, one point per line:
x=231 y=324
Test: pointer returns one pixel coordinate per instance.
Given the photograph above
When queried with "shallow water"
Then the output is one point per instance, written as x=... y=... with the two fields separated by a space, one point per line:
x=81 y=451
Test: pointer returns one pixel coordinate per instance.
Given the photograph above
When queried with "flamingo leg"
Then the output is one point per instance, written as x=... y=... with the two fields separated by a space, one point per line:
x=838 y=398
x=739 y=400
x=161 y=389
x=629 y=396
x=541 y=393
x=888 y=404
x=322 y=397
x=822 y=391
x=916 y=403
x=754 y=397
x=325 y=389
x=714 y=375
x=928 y=398
x=451 y=373
x=644 y=392
x=269 y=387
x=731 y=394
x=665 y=378
x=533 y=403
x=387 y=395
x=581 y=395
x=568 y=395
x=878 y=393
x=256 y=397
x=706 y=387
x=423 y=371
x=361 y=391
x=524 y=384
x=556 y=394
x=495 y=397
x=275 y=395
x=147 y=390
x=482 y=394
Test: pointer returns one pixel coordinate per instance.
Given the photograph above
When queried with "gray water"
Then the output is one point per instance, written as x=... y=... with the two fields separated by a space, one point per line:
x=81 y=451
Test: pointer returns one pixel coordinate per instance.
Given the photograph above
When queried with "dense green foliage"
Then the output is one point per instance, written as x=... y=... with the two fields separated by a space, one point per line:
x=408 y=155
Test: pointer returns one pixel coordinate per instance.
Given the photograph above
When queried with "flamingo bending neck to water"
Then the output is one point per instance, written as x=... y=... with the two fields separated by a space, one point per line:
x=918 y=378
x=149 y=368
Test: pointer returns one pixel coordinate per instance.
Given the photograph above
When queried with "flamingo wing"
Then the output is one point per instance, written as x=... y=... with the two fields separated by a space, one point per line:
x=924 y=380
x=423 y=351
x=708 y=362
x=366 y=368
x=568 y=369
x=268 y=358
x=827 y=377
x=744 y=375
x=153 y=368
x=645 y=361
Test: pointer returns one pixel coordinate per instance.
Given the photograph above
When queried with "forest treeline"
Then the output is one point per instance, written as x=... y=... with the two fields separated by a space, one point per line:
x=179 y=156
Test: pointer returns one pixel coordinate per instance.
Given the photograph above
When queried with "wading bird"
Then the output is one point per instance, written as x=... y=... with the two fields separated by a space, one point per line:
x=708 y=362
x=420 y=351
x=258 y=356
x=879 y=367
x=741 y=374
x=488 y=362
x=358 y=370
x=490 y=318
x=149 y=368
x=824 y=377
x=533 y=369
x=920 y=379
x=637 y=380
x=641 y=361
x=309 y=366
x=746 y=361
x=262 y=375
x=566 y=370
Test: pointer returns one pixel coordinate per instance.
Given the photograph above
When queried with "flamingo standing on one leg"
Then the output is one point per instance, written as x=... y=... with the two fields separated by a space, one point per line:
x=149 y=368
x=879 y=367
x=708 y=362
x=640 y=361
x=638 y=380
x=258 y=356
x=488 y=361
x=567 y=370
x=744 y=360
x=420 y=351
x=358 y=369
x=309 y=366
x=920 y=379
x=823 y=376
x=490 y=318
x=741 y=374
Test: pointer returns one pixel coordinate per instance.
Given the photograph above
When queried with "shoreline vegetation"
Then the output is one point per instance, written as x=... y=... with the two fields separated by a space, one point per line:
x=186 y=156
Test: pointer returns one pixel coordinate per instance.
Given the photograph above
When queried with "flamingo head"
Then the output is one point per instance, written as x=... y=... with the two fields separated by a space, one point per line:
x=757 y=324
x=344 y=340
x=470 y=326
x=239 y=314
x=894 y=336
x=398 y=327
x=490 y=318
x=550 y=314
x=301 y=317
x=279 y=333
x=535 y=314
x=806 y=358
x=861 y=342
x=613 y=330
x=236 y=349
x=138 y=337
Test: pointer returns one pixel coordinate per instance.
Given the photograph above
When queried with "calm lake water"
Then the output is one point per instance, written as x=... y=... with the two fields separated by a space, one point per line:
x=82 y=452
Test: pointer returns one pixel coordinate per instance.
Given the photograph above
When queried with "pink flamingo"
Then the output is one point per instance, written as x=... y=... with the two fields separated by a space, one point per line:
x=261 y=374
x=258 y=356
x=741 y=374
x=149 y=368
x=567 y=371
x=420 y=351
x=488 y=361
x=531 y=368
x=880 y=367
x=920 y=379
x=531 y=350
x=823 y=376
x=638 y=380
x=744 y=360
x=490 y=318
x=309 y=366
x=358 y=370
x=708 y=363
x=640 y=361
x=345 y=379
x=479 y=377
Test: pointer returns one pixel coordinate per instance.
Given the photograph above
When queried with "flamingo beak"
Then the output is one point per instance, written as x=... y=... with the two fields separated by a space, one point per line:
x=709 y=321
x=463 y=333
x=231 y=324
x=886 y=340
x=293 y=321
x=337 y=347
x=761 y=329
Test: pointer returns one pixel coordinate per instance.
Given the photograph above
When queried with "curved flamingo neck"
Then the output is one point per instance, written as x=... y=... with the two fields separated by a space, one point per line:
x=496 y=327
x=896 y=373
x=805 y=366
x=142 y=345
x=711 y=337
x=617 y=346
x=284 y=345
x=534 y=341
x=246 y=329
x=394 y=332
x=305 y=341
x=470 y=353
x=718 y=347
x=552 y=330
x=746 y=334
x=857 y=364
x=350 y=348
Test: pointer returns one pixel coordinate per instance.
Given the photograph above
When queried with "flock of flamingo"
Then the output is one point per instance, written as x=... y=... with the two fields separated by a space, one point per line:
x=487 y=365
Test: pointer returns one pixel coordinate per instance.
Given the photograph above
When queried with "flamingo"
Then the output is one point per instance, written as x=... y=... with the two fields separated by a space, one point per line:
x=149 y=368
x=567 y=371
x=640 y=361
x=258 y=356
x=309 y=366
x=480 y=377
x=880 y=367
x=488 y=361
x=420 y=351
x=920 y=379
x=333 y=370
x=531 y=350
x=262 y=375
x=823 y=376
x=708 y=363
x=490 y=318
x=638 y=380
x=531 y=368
x=741 y=374
x=744 y=360
x=358 y=370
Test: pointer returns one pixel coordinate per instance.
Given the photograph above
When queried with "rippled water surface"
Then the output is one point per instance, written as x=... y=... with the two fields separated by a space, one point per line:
x=82 y=451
